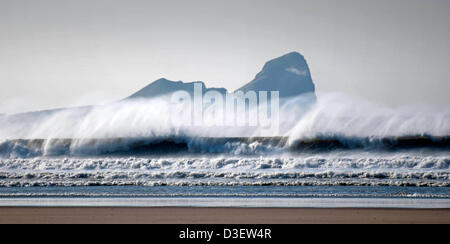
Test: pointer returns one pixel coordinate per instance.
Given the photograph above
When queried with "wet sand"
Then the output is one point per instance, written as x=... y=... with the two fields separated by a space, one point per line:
x=163 y=215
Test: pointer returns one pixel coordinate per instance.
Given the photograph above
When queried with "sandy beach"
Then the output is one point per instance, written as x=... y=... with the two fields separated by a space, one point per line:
x=117 y=215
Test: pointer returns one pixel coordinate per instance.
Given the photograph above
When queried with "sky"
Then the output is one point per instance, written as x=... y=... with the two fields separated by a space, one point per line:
x=57 y=53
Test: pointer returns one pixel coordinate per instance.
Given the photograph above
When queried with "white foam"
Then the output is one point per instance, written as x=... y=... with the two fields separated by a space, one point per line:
x=393 y=170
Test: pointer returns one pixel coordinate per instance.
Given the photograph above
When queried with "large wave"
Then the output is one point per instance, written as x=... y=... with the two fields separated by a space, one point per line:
x=217 y=146
x=335 y=122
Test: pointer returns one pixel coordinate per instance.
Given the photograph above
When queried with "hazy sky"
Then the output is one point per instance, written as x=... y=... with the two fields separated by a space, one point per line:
x=58 y=53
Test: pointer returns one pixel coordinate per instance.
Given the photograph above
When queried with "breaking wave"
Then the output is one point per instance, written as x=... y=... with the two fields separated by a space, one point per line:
x=230 y=146
x=336 y=142
x=335 y=122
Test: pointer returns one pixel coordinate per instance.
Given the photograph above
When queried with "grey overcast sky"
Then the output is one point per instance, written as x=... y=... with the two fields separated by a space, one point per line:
x=59 y=53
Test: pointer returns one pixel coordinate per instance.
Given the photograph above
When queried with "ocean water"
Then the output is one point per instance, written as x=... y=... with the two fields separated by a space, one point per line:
x=418 y=178
x=349 y=152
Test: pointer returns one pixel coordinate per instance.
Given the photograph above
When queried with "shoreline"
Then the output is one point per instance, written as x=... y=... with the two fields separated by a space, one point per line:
x=231 y=202
x=197 y=215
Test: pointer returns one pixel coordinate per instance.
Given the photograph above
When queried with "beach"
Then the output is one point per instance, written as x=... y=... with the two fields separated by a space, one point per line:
x=193 y=215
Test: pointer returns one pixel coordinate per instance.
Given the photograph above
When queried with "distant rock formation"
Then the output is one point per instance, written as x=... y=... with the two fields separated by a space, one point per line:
x=288 y=74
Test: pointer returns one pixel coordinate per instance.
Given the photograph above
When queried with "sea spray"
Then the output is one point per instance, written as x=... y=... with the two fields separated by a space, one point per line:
x=335 y=122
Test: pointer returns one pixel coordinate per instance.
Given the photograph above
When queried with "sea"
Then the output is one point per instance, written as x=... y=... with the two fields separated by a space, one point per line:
x=411 y=172
x=339 y=152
